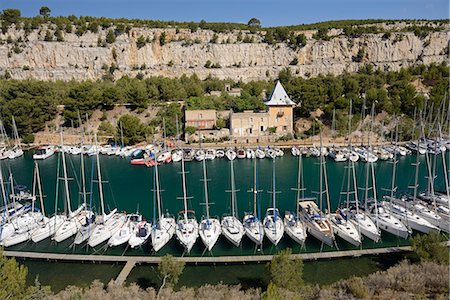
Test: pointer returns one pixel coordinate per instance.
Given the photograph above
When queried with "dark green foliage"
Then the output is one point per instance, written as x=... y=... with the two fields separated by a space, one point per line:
x=133 y=130
x=45 y=11
x=360 y=55
x=286 y=272
x=169 y=113
x=110 y=36
x=170 y=269
x=28 y=138
x=8 y=17
x=430 y=247
x=254 y=23
x=140 y=42
x=321 y=34
x=162 y=39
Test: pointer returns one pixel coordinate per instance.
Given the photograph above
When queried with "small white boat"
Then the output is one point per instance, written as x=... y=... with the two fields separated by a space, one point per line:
x=230 y=154
x=199 y=155
x=240 y=153
x=295 y=151
x=253 y=228
x=259 y=153
x=124 y=233
x=210 y=154
x=177 y=155
x=232 y=229
x=44 y=152
x=164 y=157
x=220 y=153
x=271 y=153
x=250 y=153
x=105 y=229
x=318 y=225
x=388 y=222
x=345 y=229
x=162 y=232
x=187 y=230
x=273 y=226
x=294 y=227
x=140 y=232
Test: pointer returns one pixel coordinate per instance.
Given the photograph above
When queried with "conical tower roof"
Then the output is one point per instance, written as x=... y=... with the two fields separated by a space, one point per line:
x=279 y=97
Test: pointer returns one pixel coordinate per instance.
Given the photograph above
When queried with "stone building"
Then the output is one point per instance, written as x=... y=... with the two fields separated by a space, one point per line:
x=200 y=119
x=276 y=120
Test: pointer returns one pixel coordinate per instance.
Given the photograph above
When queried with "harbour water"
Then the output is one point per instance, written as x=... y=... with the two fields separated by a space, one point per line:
x=129 y=188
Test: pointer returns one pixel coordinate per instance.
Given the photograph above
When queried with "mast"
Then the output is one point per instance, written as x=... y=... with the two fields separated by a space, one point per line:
x=11 y=180
x=83 y=177
x=274 y=197
x=394 y=163
x=158 y=194
x=300 y=189
x=326 y=177
x=66 y=181
x=99 y=175
x=233 y=190
x=205 y=186
x=183 y=174
x=5 y=199
x=16 y=133
x=255 y=189
x=39 y=185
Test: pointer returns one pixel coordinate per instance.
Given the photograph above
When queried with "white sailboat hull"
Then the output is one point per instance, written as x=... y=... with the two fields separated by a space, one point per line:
x=162 y=232
x=138 y=238
x=254 y=230
x=209 y=231
x=104 y=231
x=346 y=230
x=296 y=231
x=273 y=230
x=187 y=233
x=48 y=228
x=232 y=229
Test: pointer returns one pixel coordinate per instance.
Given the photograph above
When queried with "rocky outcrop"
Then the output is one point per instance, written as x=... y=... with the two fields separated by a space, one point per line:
x=83 y=57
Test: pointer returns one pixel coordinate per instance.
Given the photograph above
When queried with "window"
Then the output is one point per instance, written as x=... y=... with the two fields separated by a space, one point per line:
x=251 y=120
x=201 y=116
x=284 y=128
x=250 y=130
x=262 y=128
x=262 y=120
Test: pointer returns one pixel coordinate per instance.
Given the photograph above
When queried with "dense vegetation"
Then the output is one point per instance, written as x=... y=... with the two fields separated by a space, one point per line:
x=80 y=25
x=426 y=279
x=35 y=102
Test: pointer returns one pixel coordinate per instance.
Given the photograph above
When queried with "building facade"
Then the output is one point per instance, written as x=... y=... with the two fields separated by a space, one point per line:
x=200 y=119
x=277 y=119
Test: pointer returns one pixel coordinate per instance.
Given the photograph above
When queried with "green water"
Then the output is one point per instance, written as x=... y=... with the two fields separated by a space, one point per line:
x=130 y=188
x=255 y=275
x=58 y=275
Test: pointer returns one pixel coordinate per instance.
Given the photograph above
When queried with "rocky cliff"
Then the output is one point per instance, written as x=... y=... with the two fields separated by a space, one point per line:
x=182 y=52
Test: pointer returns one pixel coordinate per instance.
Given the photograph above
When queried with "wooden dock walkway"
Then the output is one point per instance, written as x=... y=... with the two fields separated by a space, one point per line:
x=200 y=259
x=125 y=272
x=131 y=261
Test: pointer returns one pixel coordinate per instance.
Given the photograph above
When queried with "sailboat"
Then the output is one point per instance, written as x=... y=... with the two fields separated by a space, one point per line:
x=75 y=219
x=317 y=223
x=232 y=228
x=273 y=224
x=7 y=227
x=107 y=224
x=164 y=227
x=87 y=228
x=353 y=212
x=409 y=218
x=293 y=223
x=27 y=222
x=125 y=232
x=209 y=228
x=251 y=222
x=16 y=151
x=187 y=225
x=47 y=226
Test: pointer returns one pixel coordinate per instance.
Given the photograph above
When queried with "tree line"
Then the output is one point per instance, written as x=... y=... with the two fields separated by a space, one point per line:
x=33 y=102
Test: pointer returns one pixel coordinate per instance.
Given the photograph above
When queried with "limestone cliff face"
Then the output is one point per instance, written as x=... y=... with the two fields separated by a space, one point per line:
x=81 y=58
